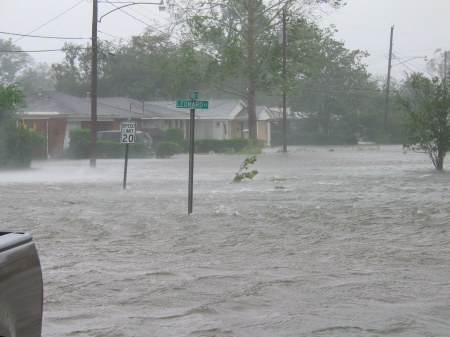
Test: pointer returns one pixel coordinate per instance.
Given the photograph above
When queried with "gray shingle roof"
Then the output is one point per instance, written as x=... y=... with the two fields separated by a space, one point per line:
x=51 y=102
x=66 y=105
x=150 y=109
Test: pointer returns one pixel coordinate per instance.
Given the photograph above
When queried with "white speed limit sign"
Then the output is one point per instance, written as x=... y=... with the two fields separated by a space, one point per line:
x=128 y=135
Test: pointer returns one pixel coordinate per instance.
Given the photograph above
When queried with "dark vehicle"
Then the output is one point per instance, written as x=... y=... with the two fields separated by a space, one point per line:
x=21 y=289
x=114 y=136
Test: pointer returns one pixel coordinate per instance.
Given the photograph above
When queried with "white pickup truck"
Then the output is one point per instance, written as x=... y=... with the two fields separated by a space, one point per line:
x=21 y=286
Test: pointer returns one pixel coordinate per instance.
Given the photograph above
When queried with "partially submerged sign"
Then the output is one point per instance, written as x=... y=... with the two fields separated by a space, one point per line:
x=191 y=104
x=128 y=135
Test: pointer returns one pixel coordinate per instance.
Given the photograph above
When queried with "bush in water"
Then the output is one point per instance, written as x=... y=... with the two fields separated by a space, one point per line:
x=19 y=144
x=240 y=175
x=167 y=149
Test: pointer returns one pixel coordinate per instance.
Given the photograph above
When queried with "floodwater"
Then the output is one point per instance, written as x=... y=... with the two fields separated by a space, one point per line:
x=323 y=242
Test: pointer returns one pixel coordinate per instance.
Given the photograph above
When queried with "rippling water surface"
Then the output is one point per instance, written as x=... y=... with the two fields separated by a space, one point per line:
x=323 y=242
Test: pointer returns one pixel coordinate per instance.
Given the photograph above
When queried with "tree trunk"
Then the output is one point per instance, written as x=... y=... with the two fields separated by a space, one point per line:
x=251 y=105
x=251 y=76
x=440 y=160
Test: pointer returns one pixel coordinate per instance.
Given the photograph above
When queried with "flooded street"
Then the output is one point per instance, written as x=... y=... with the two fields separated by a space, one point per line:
x=323 y=242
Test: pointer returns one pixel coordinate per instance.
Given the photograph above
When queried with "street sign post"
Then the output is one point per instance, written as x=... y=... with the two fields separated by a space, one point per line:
x=128 y=136
x=191 y=104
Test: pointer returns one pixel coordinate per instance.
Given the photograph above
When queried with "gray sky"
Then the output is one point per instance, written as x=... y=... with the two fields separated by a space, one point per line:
x=421 y=27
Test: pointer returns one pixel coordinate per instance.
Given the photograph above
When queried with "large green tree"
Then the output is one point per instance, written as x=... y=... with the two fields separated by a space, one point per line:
x=241 y=39
x=19 y=67
x=440 y=64
x=17 y=141
x=148 y=67
x=73 y=74
x=12 y=61
x=336 y=85
x=426 y=104
x=11 y=99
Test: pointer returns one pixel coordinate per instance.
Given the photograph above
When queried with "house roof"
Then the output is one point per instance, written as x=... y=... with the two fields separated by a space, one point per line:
x=51 y=103
x=145 y=109
x=278 y=113
x=264 y=113
x=54 y=104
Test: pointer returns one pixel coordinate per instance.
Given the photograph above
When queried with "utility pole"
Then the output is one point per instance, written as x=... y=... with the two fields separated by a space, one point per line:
x=94 y=67
x=445 y=84
x=93 y=156
x=388 y=84
x=445 y=68
x=284 y=81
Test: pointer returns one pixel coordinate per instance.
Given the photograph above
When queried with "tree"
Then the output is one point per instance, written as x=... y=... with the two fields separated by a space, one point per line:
x=440 y=64
x=336 y=85
x=241 y=38
x=73 y=74
x=426 y=103
x=18 y=67
x=11 y=99
x=12 y=61
x=148 y=67
x=17 y=141
x=36 y=78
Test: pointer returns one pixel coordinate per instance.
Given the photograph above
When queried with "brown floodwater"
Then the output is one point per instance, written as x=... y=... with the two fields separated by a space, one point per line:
x=351 y=241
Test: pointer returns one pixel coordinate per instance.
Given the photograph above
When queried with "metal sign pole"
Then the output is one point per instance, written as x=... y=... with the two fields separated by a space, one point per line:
x=126 y=168
x=191 y=160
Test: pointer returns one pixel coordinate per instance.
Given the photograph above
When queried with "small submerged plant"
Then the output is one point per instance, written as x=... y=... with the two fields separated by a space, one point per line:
x=240 y=175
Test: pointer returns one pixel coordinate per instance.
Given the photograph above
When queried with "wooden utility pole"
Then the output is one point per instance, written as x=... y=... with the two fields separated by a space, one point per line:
x=446 y=106
x=284 y=82
x=388 y=84
x=93 y=156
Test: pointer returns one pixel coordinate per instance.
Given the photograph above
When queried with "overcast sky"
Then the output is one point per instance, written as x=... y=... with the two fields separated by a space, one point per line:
x=421 y=27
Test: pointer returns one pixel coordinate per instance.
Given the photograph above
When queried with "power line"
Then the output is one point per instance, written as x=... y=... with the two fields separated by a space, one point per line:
x=26 y=35
x=29 y=51
x=47 y=37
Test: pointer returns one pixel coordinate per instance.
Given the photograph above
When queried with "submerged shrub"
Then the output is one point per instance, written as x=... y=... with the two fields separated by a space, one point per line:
x=19 y=144
x=167 y=149
x=240 y=175
x=174 y=135
x=80 y=142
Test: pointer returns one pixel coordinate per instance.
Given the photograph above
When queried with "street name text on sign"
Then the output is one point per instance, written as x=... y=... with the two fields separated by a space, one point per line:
x=128 y=135
x=186 y=104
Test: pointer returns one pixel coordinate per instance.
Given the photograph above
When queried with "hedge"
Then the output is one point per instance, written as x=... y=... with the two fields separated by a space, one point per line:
x=18 y=144
x=222 y=146
x=80 y=147
x=175 y=135
x=313 y=138
x=167 y=149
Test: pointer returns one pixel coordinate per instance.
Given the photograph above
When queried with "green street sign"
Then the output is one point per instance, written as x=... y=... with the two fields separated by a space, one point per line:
x=186 y=104
x=193 y=94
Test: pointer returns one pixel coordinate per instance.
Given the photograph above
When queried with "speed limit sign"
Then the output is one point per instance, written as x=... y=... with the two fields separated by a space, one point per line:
x=128 y=135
